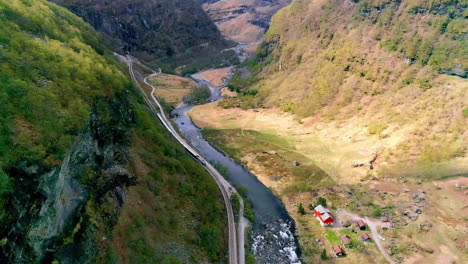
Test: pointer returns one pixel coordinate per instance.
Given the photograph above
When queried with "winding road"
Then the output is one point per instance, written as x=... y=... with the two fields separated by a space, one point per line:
x=236 y=237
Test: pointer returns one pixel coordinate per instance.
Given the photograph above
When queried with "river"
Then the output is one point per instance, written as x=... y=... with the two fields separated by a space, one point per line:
x=273 y=230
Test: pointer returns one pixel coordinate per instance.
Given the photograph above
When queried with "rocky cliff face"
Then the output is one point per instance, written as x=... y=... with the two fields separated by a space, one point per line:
x=151 y=29
x=245 y=21
x=61 y=222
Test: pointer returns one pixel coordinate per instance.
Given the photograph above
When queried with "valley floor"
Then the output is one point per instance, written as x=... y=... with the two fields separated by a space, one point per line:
x=301 y=161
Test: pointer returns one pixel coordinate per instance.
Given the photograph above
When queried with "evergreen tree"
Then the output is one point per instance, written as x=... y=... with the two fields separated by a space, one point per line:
x=300 y=209
x=322 y=201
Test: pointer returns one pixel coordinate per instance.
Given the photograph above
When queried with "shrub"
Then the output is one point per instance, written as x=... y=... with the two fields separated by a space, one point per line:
x=377 y=211
x=235 y=203
x=376 y=128
x=300 y=209
x=322 y=201
x=289 y=107
x=198 y=95
x=324 y=256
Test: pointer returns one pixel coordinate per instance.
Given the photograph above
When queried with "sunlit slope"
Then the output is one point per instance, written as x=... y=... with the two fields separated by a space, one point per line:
x=395 y=71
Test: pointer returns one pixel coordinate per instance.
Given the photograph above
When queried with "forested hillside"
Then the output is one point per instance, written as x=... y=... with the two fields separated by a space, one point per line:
x=171 y=32
x=392 y=69
x=77 y=144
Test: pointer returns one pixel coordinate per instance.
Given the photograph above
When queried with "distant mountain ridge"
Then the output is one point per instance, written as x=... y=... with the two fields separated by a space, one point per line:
x=243 y=20
x=152 y=29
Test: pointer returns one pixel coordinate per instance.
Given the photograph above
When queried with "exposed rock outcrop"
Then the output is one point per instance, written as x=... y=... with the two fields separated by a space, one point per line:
x=58 y=213
x=244 y=21
x=151 y=28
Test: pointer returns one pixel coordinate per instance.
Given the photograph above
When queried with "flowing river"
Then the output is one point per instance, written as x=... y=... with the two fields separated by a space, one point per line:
x=273 y=230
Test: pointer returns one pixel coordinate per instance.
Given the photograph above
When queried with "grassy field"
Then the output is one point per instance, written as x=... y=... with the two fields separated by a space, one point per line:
x=217 y=76
x=431 y=145
x=172 y=88
x=271 y=158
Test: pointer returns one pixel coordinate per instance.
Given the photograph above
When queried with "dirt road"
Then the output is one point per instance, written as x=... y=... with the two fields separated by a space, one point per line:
x=372 y=224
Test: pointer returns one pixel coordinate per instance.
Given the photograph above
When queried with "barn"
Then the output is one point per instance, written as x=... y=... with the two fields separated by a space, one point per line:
x=323 y=215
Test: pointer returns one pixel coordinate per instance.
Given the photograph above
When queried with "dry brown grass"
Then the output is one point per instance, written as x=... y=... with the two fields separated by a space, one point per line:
x=335 y=145
x=419 y=132
x=172 y=88
x=241 y=26
x=226 y=93
x=217 y=76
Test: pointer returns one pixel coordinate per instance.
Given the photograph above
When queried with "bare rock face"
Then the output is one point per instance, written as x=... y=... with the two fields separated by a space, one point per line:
x=91 y=173
x=153 y=29
x=243 y=20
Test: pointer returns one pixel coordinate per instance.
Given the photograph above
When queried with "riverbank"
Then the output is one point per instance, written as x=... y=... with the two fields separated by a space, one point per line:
x=273 y=230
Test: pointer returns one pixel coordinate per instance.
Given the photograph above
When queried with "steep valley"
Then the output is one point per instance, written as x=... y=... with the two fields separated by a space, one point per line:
x=362 y=103
x=359 y=106
x=174 y=34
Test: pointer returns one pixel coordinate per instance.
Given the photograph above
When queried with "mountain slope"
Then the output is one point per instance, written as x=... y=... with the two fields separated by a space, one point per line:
x=362 y=104
x=167 y=31
x=245 y=21
x=390 y=73
x=74 y=138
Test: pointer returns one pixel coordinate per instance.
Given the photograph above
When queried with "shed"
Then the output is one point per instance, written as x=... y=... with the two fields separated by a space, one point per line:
x=361 y=224
x=339 y=252
x=365 y=237
x=345 y=240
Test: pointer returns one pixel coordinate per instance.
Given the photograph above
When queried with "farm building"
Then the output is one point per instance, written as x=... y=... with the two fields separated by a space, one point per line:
x=339 y=252
x=361 y=224
x=323 y=215
x=365 y=237
x=345 y=241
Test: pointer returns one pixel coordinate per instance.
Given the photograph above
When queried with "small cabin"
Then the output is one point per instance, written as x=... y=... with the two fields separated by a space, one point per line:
x=365 y=237
x=323 y=215
x=339 y=252
x=345 y=241
x=361 y=224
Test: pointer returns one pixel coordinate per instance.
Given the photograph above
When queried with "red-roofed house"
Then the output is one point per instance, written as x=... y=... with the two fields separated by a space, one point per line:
x=323 y=215
x=339 y=252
